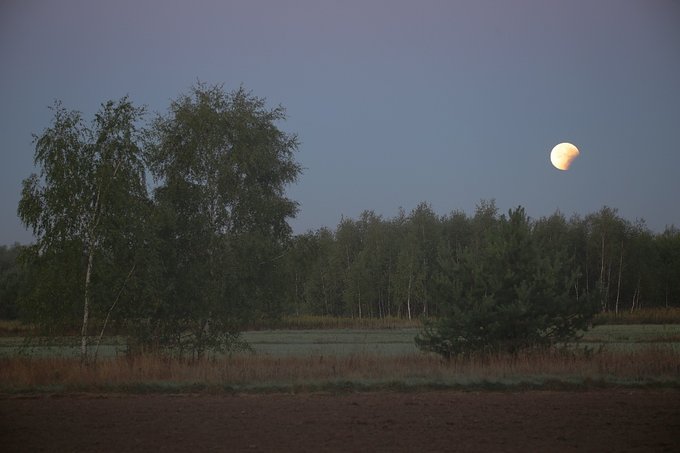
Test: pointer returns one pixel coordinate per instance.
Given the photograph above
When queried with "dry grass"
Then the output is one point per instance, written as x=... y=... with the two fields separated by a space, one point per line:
x=308 y=322
x=14 y=328
x=643 y=367
x=656 y=364
x=669 y=315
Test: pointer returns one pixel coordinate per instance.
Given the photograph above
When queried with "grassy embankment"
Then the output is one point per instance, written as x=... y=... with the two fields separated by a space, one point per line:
x=360 y=358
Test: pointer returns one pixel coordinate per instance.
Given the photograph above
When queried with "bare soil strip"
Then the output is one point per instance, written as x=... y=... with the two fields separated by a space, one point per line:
x=599 y=420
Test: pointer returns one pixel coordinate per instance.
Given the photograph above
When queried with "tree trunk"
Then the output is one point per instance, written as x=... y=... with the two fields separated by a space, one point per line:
x=325 y=293
x=408 y=295
x=359 y=300
x=606 y=292
x=108 y=314
x=389 y=289
x=86 y=307
x=618 y=285
x=587 y=277
x=92 y=240
x=297 y=300
x=576 y=288
x=636 y=296
x=424 y=291
x=602 y=293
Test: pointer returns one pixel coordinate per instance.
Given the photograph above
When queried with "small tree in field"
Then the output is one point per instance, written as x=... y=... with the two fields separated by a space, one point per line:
x=508 y=296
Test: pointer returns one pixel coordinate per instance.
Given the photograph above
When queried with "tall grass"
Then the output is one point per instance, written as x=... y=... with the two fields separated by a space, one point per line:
x=653 y=365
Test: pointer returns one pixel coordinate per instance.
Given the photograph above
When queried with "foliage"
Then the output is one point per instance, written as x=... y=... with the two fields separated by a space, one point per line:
x=184 y=269
x=221 y=165
x=380 y=267
x=508 y=296
x=84 y=208
x=12 y=281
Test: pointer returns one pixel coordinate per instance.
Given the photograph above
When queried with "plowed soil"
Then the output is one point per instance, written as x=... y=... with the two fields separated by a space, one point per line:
x=599 y=420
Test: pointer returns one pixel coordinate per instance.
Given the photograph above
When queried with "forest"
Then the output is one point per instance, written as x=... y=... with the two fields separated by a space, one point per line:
x=405 y=266
x=377 y=267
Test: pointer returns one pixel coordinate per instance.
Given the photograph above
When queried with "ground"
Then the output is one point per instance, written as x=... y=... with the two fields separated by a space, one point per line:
x=594 y=420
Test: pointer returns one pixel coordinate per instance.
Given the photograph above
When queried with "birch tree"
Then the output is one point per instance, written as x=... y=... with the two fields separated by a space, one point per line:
x=222 y=165
x=84 y=202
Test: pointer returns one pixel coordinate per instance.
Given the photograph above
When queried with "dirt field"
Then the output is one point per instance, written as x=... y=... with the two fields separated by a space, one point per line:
x=602 y=420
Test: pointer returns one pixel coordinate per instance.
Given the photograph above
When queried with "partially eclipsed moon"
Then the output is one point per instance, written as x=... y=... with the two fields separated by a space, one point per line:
x=563 y=155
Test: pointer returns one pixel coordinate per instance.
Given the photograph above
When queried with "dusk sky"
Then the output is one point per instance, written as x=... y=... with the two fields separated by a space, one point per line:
x=394 y=102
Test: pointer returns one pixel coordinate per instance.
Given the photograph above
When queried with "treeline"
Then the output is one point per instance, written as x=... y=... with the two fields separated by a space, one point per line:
x=409 y=265
x=406 y=266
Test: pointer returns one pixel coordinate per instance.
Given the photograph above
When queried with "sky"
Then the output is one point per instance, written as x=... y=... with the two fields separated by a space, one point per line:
x=394 y=102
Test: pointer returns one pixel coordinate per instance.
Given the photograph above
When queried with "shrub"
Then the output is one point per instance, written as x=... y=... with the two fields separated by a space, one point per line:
x=512 y=293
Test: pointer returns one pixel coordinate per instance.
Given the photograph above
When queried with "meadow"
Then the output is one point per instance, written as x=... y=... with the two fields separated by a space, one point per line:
x=641 y=355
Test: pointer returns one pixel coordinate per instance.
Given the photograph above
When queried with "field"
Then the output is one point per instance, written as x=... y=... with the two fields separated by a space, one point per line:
x=601 y=420
x=361 y=359
x=348 y=389
x=349 y=341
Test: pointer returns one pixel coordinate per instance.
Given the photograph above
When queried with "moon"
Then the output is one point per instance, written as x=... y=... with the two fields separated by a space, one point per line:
x=563 y=155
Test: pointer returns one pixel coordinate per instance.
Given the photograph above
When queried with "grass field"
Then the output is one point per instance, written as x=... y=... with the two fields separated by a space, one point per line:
x=343 y=342
x=295 y=360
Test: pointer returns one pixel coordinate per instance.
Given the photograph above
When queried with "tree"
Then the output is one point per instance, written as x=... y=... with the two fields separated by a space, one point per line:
x=508 y=296
x=373 y=264
x=327 y=275
x=298 y=267
x=416 y=259
x=456 y=236
x=11 y=281
x=349 y=238
x=608 y=234
x=667 y=247
x=367 y=272
x=83 y=207
x=642 y=257
x=222 y=166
